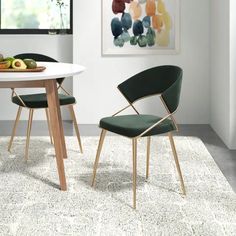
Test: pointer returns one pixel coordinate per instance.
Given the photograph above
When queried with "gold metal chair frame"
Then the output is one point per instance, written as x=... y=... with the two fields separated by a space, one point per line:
x=134 y=148
x=30 y=119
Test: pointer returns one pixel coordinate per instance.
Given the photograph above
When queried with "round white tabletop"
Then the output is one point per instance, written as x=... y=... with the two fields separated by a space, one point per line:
x=53 y=70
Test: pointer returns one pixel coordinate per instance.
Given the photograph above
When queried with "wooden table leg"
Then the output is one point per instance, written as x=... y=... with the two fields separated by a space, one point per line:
x=63 y=142
x=57 y=129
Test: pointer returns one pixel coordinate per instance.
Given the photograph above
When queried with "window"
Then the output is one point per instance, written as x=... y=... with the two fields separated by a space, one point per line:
x=35 y=16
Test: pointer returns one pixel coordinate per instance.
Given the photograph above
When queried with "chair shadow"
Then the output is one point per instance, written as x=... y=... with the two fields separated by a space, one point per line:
x=18 y=163
x=102 y=165
x=117 y=181
x=42 y=179
x=168 y=189
x=140 y=179
x=112 y=181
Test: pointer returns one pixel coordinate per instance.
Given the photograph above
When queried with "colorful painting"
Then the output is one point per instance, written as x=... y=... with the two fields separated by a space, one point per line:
x=140 y=26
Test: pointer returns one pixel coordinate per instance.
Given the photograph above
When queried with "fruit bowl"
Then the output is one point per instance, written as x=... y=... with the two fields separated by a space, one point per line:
x=37 y=69
x=10 y=64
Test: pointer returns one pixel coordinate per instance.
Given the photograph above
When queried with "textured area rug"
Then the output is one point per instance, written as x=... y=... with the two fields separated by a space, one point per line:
x=31 y=204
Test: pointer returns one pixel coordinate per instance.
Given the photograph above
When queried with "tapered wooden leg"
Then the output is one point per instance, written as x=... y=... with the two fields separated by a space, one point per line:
x=31 y=112
x=57 y=129
x=76 y=126
x=177 y=162
x=134 y=145
x=148 y=156
x=49 y=126
x=63 y=142
x=14 y=128
x=101 y=140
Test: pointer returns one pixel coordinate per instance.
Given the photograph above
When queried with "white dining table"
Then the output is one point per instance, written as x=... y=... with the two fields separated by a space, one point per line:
x=47 y=79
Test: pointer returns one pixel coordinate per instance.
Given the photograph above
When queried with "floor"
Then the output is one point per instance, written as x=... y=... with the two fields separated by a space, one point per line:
x=225 y=158
x=31 y=204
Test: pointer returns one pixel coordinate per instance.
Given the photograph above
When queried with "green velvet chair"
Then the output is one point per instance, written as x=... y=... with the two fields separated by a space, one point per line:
x=164 y=81
x=39 y=101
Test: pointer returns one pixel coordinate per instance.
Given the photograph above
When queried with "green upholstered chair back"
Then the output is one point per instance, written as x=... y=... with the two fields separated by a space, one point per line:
x=38 y=57
x=165 y=80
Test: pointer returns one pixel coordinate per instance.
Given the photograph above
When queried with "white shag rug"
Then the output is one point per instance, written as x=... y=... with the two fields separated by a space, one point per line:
x=31 y=204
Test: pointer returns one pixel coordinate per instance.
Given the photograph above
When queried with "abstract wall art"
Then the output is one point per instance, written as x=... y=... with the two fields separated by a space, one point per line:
x=140 y=27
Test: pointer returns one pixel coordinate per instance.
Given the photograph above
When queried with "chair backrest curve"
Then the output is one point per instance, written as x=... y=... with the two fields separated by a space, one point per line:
x=165 y=80
x=38 y=57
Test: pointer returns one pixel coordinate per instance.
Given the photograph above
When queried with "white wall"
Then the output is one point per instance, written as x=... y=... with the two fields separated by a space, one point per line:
x=232 y=75
x=223 y=70
x=56 y=46
x=220 y=73
x=96 y=90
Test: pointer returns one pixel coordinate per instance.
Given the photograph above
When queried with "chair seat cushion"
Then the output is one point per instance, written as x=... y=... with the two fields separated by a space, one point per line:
x=39 y=100
x=134 y=125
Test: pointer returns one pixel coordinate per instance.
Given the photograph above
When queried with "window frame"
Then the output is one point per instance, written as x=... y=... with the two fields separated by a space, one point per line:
x=39 y=31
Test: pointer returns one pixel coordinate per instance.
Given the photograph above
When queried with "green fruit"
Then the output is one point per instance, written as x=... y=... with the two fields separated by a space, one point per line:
x=5 y=64
x=30 y=63
x=18 y=64
x=10 y=59
x=1 y=57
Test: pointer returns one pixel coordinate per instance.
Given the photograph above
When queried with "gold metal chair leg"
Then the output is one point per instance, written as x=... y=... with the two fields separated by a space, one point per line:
x=14 y=128
x=148 y=156
x=76 y=126
x=49 y=125
x=31 y=111
x=177 y=162
x=102 y=136
x=134 y=145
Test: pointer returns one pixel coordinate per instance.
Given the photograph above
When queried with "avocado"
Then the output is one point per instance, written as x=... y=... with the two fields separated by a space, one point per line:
x=10 y=59
x=30 y=63
x=18 y=64
x=5 y=64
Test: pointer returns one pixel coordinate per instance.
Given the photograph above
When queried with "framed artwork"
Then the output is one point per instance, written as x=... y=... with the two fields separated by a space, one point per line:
x=132 y=27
